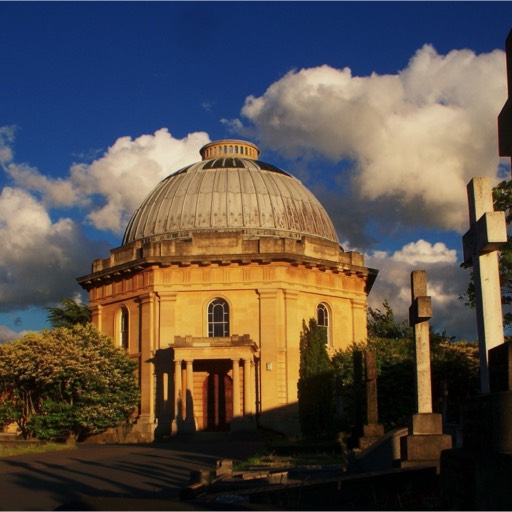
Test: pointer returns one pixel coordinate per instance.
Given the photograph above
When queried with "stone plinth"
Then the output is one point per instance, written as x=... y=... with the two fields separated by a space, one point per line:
x=425 y=441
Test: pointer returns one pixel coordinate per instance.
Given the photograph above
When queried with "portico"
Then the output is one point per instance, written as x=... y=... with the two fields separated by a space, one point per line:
x=214 y=383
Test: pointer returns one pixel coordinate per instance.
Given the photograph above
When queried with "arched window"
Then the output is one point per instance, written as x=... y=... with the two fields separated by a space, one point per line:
x=322 y=319
x=218 y=318
x=123 y=328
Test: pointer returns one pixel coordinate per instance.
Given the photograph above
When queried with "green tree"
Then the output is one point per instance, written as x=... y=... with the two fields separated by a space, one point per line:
x=384 y=325
x=502 y=196
x=316 y=384
x=66 y=382
x=68 y=313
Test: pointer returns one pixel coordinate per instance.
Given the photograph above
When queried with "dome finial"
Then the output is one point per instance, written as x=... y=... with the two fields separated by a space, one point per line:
x=230 y=148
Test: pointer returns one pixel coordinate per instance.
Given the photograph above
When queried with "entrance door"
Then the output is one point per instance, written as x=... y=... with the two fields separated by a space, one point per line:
x=217 y=402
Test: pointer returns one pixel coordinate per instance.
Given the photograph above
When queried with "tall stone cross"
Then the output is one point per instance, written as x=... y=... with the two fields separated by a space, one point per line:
x=420 y=313
x=372 y=409
x=505 y=116
x=487 y=233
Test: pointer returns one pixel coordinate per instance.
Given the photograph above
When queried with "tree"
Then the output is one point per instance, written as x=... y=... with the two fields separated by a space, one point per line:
x=383 y=324
x=502 y=197
x=66 y=382
x=316 y=384
x=68 y=314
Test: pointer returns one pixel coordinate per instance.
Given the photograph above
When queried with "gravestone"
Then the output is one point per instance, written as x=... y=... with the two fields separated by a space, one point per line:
x=487 y=233
x=357 y=431
x=505 y=116
x=477 y=476
x=425 y=441
x=373 y=430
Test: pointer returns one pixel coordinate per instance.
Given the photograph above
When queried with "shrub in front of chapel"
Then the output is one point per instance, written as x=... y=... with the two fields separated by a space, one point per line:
x=66 y=383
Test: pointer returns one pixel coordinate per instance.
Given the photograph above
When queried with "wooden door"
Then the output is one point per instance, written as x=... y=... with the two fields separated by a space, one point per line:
x=217 y=402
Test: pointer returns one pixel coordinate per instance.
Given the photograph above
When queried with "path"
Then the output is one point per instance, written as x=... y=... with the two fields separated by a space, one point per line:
x=148 y=476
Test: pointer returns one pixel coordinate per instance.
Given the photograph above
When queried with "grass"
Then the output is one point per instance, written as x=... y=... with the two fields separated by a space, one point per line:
x=11 y=449
x=275 y=461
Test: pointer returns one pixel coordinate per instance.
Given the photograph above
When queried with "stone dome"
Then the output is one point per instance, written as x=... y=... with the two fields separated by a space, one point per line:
x=230 y=190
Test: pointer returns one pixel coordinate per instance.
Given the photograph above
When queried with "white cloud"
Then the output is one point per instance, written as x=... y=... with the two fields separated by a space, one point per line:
x=112 y=187
x=40 y=259
x=54 y=192
x=415 y=138
x=129 y=170
x=446 y=282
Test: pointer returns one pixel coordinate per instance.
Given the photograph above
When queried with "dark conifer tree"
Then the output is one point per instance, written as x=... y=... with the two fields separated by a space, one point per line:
x=316 y=384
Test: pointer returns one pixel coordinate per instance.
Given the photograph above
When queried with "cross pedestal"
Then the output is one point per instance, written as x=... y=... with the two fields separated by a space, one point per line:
x=487 y=233
x=426 y=440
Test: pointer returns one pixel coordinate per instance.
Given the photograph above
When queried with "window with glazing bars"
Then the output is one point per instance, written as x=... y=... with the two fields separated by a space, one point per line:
x=218 y=318
x=322 y=319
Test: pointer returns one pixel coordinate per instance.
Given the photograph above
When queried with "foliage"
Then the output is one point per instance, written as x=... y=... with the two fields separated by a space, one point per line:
x=383 y=324
x=68 y=314
x=316 y=384
x=454 y=370
x=65 y=382
x=502 y=195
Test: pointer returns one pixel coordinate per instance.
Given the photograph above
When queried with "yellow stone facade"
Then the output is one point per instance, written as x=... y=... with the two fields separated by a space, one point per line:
x=213 y=315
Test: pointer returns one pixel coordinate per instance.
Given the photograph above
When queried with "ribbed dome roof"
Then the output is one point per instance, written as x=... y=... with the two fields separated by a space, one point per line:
x=230 y=191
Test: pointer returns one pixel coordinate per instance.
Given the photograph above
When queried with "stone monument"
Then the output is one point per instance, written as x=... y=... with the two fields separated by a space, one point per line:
x=425 y=441
x=373 y=430
x=477 y=476
x=505 y=116
x=487 y=233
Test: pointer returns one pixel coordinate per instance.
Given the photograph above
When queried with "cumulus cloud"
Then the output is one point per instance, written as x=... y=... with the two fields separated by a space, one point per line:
x=446 y=282
x=414 y=139
x=129 y=170
x=42 y=255
x=113 y=186
x=40 y=258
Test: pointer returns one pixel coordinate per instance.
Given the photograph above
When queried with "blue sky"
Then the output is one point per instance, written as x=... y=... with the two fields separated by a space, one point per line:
x=384 y=110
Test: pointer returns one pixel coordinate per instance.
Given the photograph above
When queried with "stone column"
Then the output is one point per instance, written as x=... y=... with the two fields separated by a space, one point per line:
x=248 y=388
x=487 y=233
x=145 y=422
x=189 y=391
x=178 y=413
x=236 y=389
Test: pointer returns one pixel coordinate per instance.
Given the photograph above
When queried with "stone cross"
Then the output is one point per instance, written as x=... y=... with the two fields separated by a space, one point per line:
x=357 y=361
x=487 y=233
x=505 y=116
x=373 y=430
x=420 y=313
x=371 y=388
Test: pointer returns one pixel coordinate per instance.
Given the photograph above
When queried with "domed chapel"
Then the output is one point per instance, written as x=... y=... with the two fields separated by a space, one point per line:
x=218 y=269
